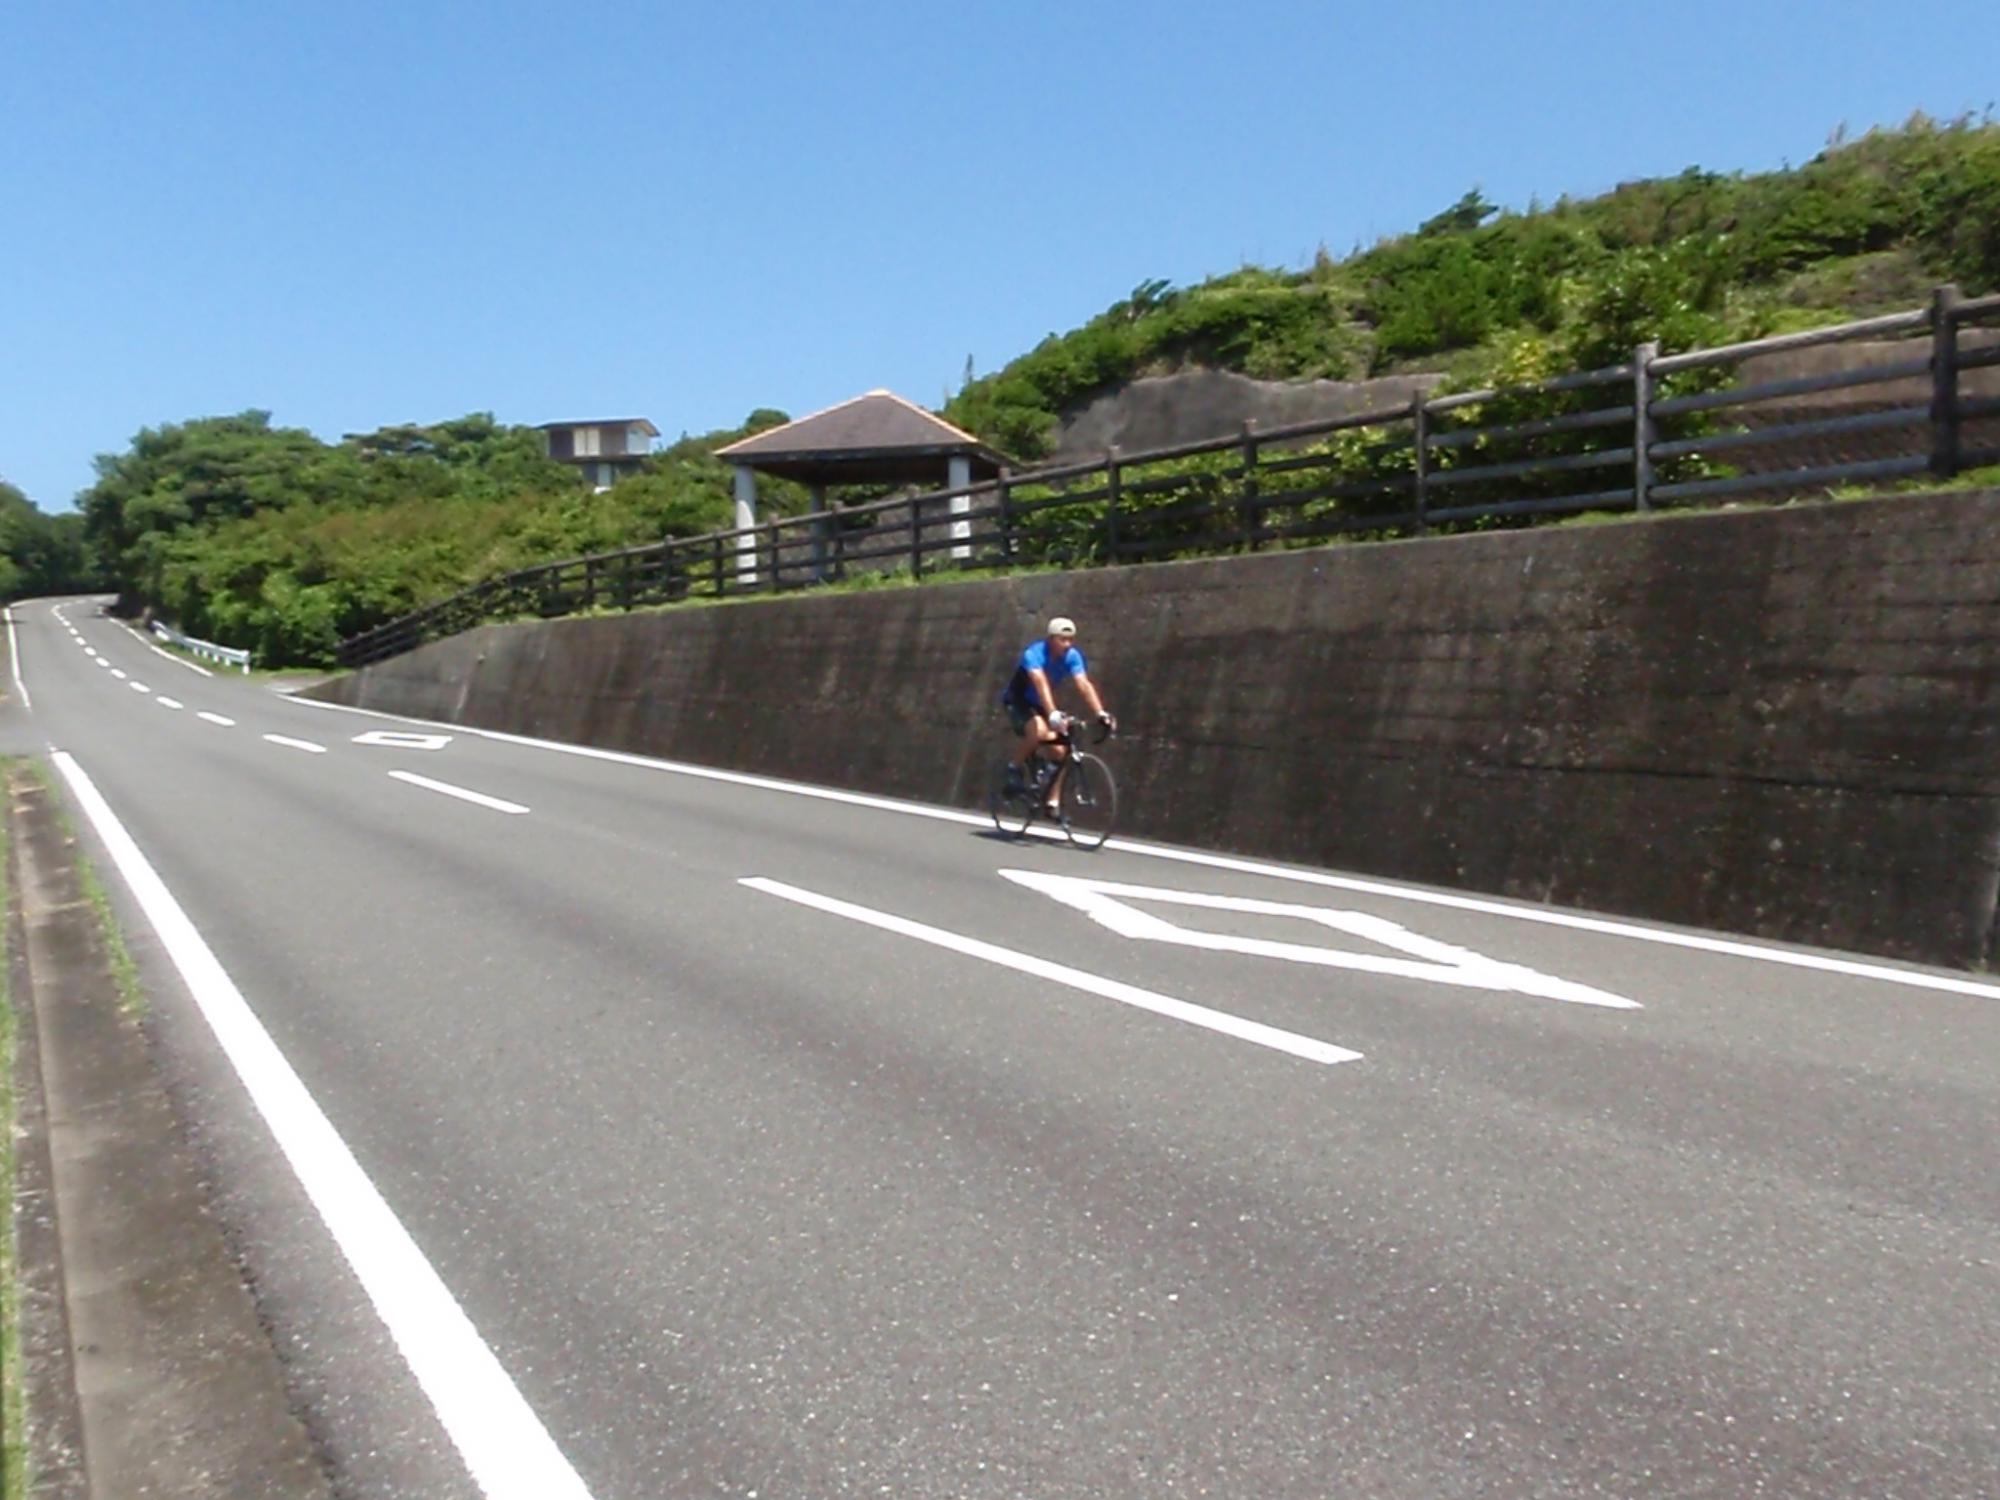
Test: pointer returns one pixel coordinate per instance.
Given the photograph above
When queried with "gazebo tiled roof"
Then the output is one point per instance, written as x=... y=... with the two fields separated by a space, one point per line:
x=877 y=438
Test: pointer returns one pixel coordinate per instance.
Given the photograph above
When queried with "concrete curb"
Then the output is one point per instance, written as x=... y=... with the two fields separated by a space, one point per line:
x=53 y=1419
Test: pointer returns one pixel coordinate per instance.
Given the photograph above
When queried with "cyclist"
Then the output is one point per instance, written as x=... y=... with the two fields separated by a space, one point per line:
x=1030 y=698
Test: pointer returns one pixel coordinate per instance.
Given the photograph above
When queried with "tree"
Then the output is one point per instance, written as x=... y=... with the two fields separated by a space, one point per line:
x=1462 y=217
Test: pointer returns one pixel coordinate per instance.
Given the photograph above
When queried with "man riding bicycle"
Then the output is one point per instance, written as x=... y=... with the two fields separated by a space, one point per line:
x=1030 y=698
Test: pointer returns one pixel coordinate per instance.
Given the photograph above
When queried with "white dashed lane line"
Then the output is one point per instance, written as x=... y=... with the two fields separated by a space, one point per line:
x=138 y=687
x=166 y=702
x=480 y=799
x=120 y=673
x=216 y=719
x=291 y=744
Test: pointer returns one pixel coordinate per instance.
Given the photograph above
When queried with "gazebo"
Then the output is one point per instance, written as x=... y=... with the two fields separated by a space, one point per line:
x=877 y=438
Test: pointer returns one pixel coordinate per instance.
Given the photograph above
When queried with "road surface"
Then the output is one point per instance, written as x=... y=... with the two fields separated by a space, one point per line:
x=593 y=1126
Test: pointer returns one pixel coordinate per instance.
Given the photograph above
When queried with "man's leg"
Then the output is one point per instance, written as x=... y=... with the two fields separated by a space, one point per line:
x=1034 y=734
x=1060 y=755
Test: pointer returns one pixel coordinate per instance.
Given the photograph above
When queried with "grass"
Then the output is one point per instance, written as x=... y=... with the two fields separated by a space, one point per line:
x=13 y=1402
x=124 y=972
x=1919 y=484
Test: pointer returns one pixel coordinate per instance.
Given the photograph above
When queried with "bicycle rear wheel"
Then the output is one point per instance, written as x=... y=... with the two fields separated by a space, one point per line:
x=1089 y=801
x=1013 y=808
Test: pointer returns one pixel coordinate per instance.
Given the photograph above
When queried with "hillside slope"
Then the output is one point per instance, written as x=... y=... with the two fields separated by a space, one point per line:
x=1868 y=225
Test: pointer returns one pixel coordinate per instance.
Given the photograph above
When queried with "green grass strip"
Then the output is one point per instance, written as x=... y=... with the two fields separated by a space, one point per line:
x=124 y=972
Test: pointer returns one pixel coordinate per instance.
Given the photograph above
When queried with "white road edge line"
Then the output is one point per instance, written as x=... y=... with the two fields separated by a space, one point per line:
x=291 y=744
x=165 y=702
x=504 y=1444
x=1547 y=917
x=226 y=723
x=1244 y=1030
x=463 y=794
x=14 y=655
x=179 y=661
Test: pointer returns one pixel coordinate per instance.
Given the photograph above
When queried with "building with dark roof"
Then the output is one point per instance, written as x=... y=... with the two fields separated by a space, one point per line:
x=605 y=450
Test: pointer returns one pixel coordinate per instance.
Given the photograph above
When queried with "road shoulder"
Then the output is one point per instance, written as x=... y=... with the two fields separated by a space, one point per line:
x=148 y=1370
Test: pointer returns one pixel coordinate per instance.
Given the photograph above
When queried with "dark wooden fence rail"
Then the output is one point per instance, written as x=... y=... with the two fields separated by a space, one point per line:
x=1660 y=430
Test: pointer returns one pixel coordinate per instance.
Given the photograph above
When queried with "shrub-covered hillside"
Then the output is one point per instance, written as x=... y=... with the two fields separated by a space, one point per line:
x=266 y=537
x=1868 y=225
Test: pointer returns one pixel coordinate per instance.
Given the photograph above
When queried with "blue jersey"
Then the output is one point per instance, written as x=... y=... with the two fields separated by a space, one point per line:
x=1060 y=667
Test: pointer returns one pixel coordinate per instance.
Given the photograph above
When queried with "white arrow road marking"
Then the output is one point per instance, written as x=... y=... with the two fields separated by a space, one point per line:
x=1108 y=904
x=1243 y=1030
x=399 y=740
x=1511 y=911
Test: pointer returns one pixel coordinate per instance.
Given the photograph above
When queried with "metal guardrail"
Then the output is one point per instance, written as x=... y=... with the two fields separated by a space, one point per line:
x=229 y=655
x=1653 y=432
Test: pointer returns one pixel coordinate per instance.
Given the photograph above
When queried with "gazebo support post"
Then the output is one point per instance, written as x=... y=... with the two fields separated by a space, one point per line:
x=959 y=482
x=819 y=533
x=746 y=517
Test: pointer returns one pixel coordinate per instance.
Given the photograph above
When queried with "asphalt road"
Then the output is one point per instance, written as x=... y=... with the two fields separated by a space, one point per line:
x=928 y=1166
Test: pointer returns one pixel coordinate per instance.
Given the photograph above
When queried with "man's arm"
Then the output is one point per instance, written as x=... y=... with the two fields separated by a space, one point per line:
x=1040 y=681
x=1089 y=690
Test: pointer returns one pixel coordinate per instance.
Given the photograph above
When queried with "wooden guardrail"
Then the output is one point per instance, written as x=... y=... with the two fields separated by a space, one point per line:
x=1659 y=430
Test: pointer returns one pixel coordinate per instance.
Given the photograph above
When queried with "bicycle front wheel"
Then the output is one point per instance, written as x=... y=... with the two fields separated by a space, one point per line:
x=1013 y=808
x=1089 y=801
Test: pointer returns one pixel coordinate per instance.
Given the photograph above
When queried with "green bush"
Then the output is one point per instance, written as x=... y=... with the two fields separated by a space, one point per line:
x=267 y=538
x=1680 y=260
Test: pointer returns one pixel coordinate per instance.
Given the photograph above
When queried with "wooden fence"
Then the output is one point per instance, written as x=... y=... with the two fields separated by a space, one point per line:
x=1660 y=430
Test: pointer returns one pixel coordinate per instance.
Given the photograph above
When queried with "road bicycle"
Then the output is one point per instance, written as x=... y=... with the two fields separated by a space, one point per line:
x=1086 y=804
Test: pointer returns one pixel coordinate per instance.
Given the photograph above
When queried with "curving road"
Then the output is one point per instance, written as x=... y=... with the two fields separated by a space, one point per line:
x=652 y=1131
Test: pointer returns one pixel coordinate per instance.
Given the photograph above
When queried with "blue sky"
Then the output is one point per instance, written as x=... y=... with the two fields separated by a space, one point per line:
x=366 y=213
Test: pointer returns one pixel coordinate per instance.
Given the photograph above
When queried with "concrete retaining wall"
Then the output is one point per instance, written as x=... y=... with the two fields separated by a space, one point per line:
x=1777 y=722
x=1197 y=404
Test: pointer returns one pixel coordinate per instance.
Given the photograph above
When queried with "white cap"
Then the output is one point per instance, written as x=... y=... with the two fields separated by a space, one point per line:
x=1062 y=625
